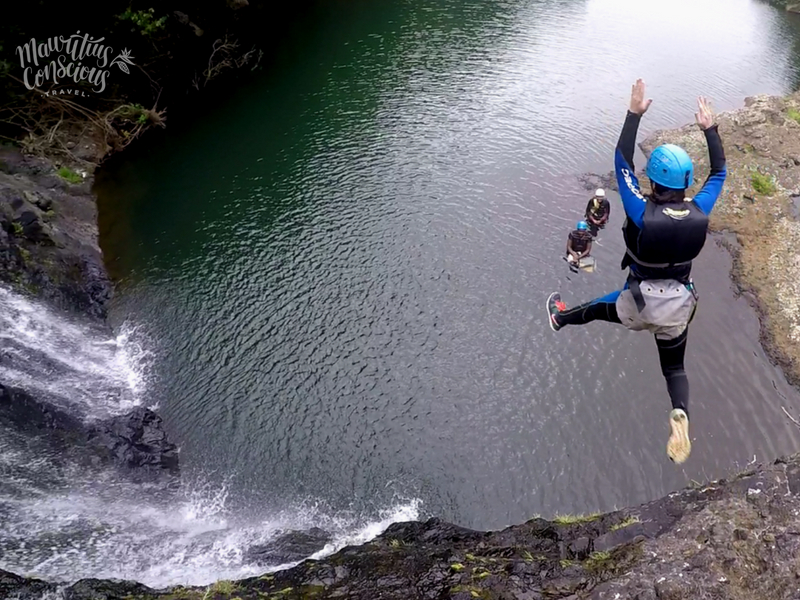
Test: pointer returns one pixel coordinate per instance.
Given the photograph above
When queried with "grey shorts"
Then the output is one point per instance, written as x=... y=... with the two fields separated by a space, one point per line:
x=669 y=308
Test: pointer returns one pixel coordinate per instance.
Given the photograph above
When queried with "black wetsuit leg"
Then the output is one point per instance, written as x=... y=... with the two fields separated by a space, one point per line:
x=600 y=309
x=670 y=355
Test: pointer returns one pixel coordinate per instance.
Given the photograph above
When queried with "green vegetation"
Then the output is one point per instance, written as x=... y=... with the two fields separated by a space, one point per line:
x=566 y=563
x=69 y=175
x=597 y=561
x=574 y=519
x=223 y=587
x=457 y=567
x=17 y=227
x=763 y=184
x=628 y=521
x=528 y=557
x=794 y=114
x=133 y=112
x=144 y=21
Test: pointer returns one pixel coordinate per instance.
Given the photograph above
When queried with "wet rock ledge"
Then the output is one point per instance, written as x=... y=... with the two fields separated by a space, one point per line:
x=729 y=540
x=48 y=235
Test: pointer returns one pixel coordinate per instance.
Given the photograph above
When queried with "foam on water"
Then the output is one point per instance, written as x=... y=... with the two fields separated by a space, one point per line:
x=114 y=530
x=62 y=523
x=76 y=364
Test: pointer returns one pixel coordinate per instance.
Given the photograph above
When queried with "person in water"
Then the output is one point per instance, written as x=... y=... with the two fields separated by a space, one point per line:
x=579 y=243
x=598 y=210
x=664 y=232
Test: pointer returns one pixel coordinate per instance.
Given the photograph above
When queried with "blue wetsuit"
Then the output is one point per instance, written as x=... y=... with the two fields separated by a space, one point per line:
x=671 y=352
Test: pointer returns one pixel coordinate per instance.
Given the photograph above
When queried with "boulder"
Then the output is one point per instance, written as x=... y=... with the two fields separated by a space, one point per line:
x=136 y=440
x=23 y=588
x=289 y=547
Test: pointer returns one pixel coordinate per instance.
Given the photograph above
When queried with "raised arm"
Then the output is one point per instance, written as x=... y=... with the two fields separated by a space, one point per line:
x=632 y=200
x=707 y=197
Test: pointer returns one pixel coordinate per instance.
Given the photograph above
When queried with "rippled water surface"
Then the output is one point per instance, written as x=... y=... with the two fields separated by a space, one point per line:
x=342 y=266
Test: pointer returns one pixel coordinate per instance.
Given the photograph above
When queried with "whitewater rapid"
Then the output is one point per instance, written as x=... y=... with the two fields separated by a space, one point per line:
x=62 y=522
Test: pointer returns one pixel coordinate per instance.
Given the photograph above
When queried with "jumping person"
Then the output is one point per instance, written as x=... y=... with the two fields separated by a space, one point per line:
x=598 y=210
x=663 y=233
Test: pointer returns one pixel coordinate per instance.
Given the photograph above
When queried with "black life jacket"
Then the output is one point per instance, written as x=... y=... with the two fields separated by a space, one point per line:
x=580 y=240
x=671 y=236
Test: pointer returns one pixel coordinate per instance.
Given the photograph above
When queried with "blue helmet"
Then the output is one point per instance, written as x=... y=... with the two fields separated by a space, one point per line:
x=670 y=166
x=582 y=226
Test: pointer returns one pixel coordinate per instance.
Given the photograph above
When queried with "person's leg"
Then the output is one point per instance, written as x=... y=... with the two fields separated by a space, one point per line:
x=671 y=355
x=599 y=309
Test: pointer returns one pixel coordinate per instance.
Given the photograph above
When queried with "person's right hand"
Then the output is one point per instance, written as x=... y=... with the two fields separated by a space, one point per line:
x=638 y=104
x=704 y=116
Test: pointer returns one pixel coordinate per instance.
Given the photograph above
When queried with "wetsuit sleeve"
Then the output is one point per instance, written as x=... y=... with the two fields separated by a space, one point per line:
x=632 y=200
x=707 y=197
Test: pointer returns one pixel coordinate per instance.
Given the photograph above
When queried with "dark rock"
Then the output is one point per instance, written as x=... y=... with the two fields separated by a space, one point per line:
x=33 y=228
x=527 y=595
x=100 y=589
x=50 y=248
x=23 y=588
x=289 y=547
x=22 y=411
x=624 y=535
x=580 y=548
x=136 y=440
x=592 y=181
x=42 y=202
x=132 y=441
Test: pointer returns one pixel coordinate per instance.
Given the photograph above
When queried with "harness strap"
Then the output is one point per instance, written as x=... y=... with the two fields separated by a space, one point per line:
x=636 y=292
x=638 y=298
x=655 y=265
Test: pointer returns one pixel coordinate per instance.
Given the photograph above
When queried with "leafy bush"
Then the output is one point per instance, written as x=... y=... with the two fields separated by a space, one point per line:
x=763 y=184
x=144 y=20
